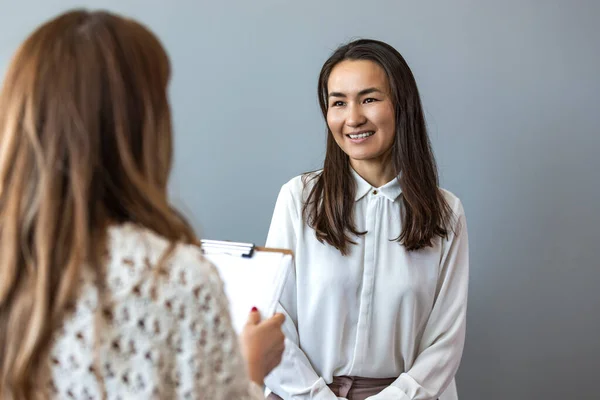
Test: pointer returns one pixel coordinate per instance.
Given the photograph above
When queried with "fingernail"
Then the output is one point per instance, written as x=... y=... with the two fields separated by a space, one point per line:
x=254 y=309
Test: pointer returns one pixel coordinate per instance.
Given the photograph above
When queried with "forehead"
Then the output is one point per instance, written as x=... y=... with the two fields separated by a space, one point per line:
x=352 y=76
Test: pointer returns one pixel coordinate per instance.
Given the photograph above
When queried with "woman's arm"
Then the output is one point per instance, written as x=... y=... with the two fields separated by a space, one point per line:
x=441 y=347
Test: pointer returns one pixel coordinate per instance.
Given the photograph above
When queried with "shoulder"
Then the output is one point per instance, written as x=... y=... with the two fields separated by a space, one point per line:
x=453 y=201
x=171 y=282
x=457 y=220
x=141 y=252
x=298 y=188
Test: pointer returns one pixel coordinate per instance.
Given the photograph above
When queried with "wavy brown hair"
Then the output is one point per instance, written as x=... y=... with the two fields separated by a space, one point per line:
x=85 y=142
x=330 y=203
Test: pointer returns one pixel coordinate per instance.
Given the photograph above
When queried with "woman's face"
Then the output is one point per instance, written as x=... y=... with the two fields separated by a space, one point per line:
x=360 y=112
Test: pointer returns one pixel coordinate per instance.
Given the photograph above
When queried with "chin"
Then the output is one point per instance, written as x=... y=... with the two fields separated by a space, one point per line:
x=361 y=157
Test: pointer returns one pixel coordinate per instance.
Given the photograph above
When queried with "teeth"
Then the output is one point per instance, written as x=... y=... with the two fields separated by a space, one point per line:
x=361 y=135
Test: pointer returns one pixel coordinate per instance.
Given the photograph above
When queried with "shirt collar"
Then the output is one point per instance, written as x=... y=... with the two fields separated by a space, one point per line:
x=390 y=190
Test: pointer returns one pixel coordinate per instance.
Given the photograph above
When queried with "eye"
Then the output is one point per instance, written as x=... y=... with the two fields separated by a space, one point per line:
x=338 y=103
x=369 y=100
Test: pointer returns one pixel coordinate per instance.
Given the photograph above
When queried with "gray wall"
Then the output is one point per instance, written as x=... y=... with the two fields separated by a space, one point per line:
x=512 y=98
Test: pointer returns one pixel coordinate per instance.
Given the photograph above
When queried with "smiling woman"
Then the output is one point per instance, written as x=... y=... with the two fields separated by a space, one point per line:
x=371 y=67
x=376 y=307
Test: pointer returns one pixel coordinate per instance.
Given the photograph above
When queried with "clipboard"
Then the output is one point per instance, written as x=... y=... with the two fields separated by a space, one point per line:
x=252 y=276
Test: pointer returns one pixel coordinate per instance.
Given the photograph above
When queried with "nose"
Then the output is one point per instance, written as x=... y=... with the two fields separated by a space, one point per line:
x=355 y=117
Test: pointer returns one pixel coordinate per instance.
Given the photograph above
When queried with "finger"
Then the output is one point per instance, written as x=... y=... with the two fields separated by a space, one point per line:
x=276 y=320
x=254 y=317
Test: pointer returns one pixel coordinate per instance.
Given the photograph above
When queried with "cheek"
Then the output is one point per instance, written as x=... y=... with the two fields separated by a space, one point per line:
x=334 y=122
x=387 y=121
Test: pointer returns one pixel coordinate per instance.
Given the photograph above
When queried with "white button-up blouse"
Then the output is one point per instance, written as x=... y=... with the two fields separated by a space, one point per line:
x=379 y=312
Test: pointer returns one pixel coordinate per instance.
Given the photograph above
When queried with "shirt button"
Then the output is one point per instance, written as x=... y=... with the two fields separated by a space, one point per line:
x=374 y=191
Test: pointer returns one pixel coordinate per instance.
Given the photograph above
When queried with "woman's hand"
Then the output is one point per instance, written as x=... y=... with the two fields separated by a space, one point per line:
x=262 y=344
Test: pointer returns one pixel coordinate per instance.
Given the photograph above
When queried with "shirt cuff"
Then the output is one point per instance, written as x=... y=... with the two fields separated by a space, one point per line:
x=318 y=391
x=256 y=391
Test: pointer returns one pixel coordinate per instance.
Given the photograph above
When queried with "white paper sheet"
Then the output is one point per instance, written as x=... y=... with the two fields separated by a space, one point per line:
x=257 y=281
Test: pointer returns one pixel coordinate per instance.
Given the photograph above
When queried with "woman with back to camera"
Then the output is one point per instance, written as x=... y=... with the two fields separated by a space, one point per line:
x=376 y=307
x=104 y=293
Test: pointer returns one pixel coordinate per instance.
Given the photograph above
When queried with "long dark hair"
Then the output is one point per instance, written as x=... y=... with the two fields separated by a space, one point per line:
x=329 y=206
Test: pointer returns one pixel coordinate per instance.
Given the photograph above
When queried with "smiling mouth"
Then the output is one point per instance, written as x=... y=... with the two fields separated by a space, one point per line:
x=361 y=135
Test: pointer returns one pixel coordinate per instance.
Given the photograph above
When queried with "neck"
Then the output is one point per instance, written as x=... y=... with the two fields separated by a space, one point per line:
x=376 y=172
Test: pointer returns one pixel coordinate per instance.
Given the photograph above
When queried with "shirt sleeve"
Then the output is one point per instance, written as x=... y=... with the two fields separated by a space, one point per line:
x=295 y=378
x=441 y=347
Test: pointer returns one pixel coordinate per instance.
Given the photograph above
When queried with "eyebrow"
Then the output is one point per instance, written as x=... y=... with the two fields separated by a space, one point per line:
x=361 y=93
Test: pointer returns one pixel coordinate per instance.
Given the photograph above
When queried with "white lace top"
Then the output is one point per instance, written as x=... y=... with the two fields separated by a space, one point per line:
x=160 y=335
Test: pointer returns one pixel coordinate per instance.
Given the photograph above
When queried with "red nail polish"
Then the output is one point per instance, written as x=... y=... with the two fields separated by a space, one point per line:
x=254 y=309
